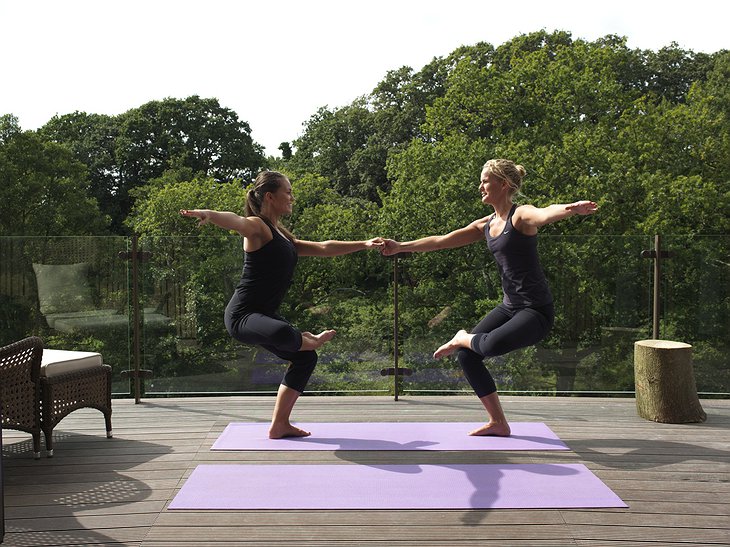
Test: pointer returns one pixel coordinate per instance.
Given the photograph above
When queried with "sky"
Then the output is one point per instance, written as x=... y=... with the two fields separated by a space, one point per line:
x=276 y=62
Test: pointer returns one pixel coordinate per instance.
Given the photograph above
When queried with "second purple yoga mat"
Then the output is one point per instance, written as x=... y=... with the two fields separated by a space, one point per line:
x=389 y=436
x=467 y=486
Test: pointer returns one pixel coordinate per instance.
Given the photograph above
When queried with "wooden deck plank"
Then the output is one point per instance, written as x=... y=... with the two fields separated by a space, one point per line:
x=375 y=518
x=98 y=491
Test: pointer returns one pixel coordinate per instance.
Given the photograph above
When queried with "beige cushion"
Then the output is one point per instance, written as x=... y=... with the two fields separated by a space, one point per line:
x=101 y=321
x=51 y=318
x=90 y=322
x=63 y=288
x=59 y=361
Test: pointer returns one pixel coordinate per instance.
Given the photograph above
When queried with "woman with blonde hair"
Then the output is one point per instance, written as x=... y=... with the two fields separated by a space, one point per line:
x=526 y=313
x=270 y=257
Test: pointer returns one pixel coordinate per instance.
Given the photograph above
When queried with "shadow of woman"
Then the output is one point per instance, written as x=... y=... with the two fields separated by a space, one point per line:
x=471 y=488
x=361 y=445
x=68 y=497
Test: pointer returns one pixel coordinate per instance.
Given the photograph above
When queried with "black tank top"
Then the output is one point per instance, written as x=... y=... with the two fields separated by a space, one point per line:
x=266 y=277
x=523 y=281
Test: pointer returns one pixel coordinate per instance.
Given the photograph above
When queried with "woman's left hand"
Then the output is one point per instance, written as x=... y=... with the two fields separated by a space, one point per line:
x=583 y=207
x=375 y=242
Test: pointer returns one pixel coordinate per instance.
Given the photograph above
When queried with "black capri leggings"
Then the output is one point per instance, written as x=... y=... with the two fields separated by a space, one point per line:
x=278 y=336
x=501 y=331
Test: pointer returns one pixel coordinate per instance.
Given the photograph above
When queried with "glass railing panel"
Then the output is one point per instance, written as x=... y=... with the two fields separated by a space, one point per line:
x=75 y=292
x=70 y=291
x=186 y=284
x=695 y=298
x=602 y=292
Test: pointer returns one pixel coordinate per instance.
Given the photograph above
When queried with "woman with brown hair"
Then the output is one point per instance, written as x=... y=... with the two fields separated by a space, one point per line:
x=270 y=256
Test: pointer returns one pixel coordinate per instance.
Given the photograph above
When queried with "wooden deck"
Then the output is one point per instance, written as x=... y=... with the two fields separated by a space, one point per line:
x=98 y=491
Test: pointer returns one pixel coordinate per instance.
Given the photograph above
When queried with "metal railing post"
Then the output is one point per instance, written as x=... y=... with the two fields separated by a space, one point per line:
x=135 y=256
x=396 y=349
x=657 y=255
x=657 y=282
x=136 y=355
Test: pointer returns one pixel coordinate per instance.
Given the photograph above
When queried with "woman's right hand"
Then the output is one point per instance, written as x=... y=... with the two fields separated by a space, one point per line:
x=200 y=214
x=390 y=247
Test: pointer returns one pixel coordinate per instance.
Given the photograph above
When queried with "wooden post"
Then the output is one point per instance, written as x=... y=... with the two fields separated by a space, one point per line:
x=665 y=384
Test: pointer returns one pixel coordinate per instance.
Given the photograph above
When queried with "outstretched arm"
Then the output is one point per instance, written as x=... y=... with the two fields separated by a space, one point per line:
x=458 y=238
x=334 y=248
x=536 y=217
x=228 y=221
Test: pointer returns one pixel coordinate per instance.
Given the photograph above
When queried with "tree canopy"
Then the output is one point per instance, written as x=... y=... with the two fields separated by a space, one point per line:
x=128 y=151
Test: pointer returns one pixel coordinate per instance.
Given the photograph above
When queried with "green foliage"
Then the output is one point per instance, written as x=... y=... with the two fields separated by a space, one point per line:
x=9 y=126
x=92 y=139
x=129 y=151
x=334 y=145
x=43 y=189
x=203 y=262
x=322 y=214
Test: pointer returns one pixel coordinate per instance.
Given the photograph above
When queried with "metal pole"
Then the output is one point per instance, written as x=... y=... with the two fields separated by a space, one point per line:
x=396 y=349
x=135 y=318
x=657 y=282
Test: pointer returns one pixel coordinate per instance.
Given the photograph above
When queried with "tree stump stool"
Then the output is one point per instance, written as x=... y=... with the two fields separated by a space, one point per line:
x=665 y=384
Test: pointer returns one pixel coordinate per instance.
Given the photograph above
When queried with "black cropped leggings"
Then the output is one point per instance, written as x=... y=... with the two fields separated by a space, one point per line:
x=501 y=331
x=278 y=336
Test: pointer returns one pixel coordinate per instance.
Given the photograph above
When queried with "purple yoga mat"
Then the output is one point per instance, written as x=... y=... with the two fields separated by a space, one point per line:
x=388 y=436
x=347 y=486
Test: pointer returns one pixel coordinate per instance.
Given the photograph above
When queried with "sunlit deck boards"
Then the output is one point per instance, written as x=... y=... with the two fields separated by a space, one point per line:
x=675 y=478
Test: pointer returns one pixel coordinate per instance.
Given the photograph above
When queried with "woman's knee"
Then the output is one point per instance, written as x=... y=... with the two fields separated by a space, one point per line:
x=489 y=345
x=308 y=359
x=301 y=368
x=287 y=338
x=468 y=359
x=475 y=372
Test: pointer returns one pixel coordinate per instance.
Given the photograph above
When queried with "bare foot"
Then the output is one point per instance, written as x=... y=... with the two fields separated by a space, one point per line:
x=492 y=429
x=280 y=431
x=314 y=341
x=460 y=340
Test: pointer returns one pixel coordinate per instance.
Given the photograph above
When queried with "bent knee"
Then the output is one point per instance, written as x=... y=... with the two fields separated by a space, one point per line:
x=287 y=338
x=467 y=357
x=487 y=346
x=309 y=358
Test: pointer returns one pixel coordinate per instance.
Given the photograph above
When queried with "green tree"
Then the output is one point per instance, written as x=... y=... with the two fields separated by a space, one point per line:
x=127 y=151
x=350 y=145
x=92 y=139
x=9 y=126
x=44 y=191
x=320 y=213
x=195 y=133
x=332 y=138
x=286 y=151
x=203 y=262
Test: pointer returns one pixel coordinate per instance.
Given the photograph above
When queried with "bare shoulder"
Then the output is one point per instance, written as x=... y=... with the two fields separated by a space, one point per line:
x=523 y=219
x=258 y=224
x=523 y=214
x=254 y=228
x=480 y=223
x=256 y=233
x=522 y=210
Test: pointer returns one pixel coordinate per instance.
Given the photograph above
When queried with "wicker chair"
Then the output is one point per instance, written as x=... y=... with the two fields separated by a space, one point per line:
x=39 y=389
x=67 y=390
x=20 y=388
